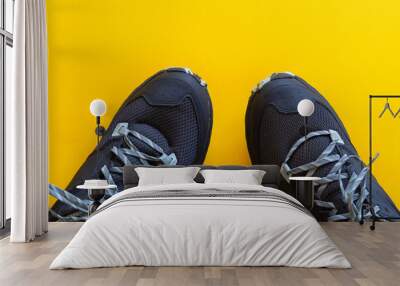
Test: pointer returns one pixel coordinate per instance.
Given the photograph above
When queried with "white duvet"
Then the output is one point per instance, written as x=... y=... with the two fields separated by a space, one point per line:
x=188 y=231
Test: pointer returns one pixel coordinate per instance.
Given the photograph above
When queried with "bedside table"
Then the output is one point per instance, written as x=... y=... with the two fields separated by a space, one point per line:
x=96 y=191
x=304 y=190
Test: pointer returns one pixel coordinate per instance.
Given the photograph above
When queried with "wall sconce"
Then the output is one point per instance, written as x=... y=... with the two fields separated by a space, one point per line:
x=98 y=108
x=305 y=108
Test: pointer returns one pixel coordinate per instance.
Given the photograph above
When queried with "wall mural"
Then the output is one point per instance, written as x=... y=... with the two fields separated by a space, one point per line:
x=168 y=118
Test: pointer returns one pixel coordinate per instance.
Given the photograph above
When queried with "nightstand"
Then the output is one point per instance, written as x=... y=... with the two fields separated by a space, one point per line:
x=304 y=190
x=96 y=191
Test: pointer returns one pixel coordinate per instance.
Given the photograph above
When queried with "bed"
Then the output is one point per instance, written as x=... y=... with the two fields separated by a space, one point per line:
x=201 y=224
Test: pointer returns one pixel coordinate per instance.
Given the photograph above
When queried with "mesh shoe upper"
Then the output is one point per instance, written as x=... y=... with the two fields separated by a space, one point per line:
x=273 y=125
x=172 y=108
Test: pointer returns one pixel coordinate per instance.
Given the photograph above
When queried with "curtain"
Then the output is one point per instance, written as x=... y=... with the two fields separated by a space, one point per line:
x=26 y=124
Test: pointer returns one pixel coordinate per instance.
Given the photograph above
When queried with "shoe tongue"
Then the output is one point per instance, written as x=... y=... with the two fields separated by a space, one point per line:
x=151 y=133
x=312 y=149
x=309 y=151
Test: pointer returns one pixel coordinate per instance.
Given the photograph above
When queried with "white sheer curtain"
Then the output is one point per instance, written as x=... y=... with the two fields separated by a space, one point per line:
x=26 y=124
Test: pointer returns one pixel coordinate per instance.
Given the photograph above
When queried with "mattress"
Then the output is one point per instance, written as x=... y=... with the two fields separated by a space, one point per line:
x=201 y=225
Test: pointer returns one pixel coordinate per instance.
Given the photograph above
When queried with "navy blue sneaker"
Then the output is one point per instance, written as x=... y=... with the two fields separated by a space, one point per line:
x=167 y=120
x=275 y=135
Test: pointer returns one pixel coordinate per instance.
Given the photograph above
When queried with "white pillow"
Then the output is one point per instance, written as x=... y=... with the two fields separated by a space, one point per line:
x=163 y=176
x=248 y=177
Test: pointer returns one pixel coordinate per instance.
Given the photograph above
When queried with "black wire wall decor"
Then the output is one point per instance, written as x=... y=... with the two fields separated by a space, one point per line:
x=387 y=109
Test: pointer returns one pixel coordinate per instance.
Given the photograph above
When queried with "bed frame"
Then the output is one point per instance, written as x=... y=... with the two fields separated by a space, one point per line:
x=272 y=177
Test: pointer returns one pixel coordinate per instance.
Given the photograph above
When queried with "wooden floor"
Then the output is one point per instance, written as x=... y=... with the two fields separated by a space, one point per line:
x=375 y=257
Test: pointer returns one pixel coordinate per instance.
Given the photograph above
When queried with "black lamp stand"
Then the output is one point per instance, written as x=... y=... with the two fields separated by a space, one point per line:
x=100 y=130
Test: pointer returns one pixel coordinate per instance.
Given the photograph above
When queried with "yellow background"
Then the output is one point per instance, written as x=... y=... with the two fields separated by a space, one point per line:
x=104 y=49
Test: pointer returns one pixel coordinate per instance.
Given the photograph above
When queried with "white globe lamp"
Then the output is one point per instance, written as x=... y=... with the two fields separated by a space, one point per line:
x=305 y=107
x=98 y=107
